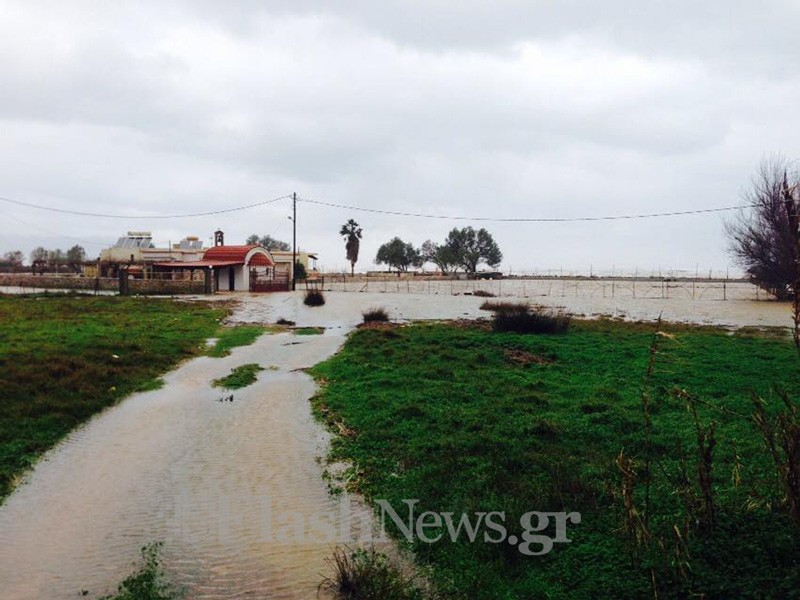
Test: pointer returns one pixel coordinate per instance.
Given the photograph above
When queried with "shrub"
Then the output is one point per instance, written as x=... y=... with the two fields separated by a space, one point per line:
x=494 y=306
x=314 y=298
x=283 y=321
x=523 y=319
x=375 y=315
x=149 y=582
x=483 y=294
x=367 y=575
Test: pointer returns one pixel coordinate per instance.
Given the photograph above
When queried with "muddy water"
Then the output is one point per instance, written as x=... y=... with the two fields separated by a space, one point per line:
x=739 y=309
x=217 y=482
x=224 y=484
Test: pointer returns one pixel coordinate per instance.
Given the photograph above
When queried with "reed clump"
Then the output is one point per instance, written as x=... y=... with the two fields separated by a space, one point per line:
x=314 y=298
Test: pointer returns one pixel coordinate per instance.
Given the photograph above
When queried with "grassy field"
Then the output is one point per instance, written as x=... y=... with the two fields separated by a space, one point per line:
x=466 y=420
x=63 y=358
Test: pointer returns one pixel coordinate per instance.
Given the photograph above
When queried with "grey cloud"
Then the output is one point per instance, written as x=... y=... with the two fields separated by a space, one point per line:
x=498 y=108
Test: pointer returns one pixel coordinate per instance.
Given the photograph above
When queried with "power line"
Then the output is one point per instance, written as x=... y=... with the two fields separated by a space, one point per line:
x=118 y=216
x=528 y=219
x=385 y=212
x=50 y=231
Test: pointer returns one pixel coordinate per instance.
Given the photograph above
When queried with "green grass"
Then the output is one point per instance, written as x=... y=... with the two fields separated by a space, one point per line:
x=308 y=330
x=240 y=377
x=64 y=358
x=465 y=419
x=231 y=337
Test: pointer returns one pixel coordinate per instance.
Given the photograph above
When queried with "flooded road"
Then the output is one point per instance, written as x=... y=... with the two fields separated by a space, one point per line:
x=179 y=466
x=232 y=488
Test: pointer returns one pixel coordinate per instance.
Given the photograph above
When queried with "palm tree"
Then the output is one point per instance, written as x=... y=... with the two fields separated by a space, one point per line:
x=351 y=231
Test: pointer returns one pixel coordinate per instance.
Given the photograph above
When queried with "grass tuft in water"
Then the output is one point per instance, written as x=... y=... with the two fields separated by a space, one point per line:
x=314 y=298
x=375 y=315
x=367 y=575
x=240 y=377
x=149 y=582
x=231 y=337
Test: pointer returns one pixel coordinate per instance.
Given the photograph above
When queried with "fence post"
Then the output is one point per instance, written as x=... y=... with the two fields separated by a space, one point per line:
x=123 y=282
x=208 y=286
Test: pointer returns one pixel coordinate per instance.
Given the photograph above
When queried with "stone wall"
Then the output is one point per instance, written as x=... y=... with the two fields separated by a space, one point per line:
x=165 y=287
x=64 y=282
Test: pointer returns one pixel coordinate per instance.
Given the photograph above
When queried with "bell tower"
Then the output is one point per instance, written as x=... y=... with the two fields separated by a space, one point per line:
x=219 y=238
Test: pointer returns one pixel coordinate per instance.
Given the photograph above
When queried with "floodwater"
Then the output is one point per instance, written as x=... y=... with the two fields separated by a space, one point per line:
x=233 y=489
x=735 y=305
x=220 y=483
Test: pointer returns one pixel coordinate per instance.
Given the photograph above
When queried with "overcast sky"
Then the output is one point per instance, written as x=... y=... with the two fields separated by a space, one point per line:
x=481 y=109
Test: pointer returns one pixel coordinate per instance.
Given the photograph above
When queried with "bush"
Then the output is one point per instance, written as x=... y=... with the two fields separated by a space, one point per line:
x=314 y=298
x=283 y=321
x=483 y=294
x=375 y=315
x=523 y=319
x=494 y=306
x=367 y=575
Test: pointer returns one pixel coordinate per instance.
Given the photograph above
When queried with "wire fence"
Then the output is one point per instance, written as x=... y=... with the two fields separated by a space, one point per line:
x=642 y=288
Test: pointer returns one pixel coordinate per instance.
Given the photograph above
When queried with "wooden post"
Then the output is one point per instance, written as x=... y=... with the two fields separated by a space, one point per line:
x=123 y=282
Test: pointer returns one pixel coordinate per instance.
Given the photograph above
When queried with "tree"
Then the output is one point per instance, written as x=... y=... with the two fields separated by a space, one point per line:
x=269 y=242
x=399 y=255
x=438 y=254
x=76 y=256
x=470 y=248
x=39 y=254
x=299 y=270
x=351 y=231
x=760 y=238
x=13 y=258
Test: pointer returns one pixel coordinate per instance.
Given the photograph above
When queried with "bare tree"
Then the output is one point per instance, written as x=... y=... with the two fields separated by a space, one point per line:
x=791 y=199
x=76 y=256
x=13 y=258
x=351 y=231
x=760 y=238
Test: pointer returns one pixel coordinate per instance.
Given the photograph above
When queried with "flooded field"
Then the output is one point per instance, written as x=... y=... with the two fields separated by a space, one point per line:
x=743 y=304
x=215 y=481
x=223 y=484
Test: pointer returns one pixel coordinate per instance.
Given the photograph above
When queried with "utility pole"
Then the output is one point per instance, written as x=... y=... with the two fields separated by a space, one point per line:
x=294 y=239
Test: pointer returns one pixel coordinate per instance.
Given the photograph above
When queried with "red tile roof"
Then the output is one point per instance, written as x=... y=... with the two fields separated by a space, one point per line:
x=229 y=253
x=197 y=264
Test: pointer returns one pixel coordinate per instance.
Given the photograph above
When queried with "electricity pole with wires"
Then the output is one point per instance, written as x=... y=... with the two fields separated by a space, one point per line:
x=294 y=240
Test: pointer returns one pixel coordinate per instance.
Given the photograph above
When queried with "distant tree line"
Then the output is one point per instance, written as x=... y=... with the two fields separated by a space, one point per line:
x=43 y=259
x=269 y=242
x=465 y=248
